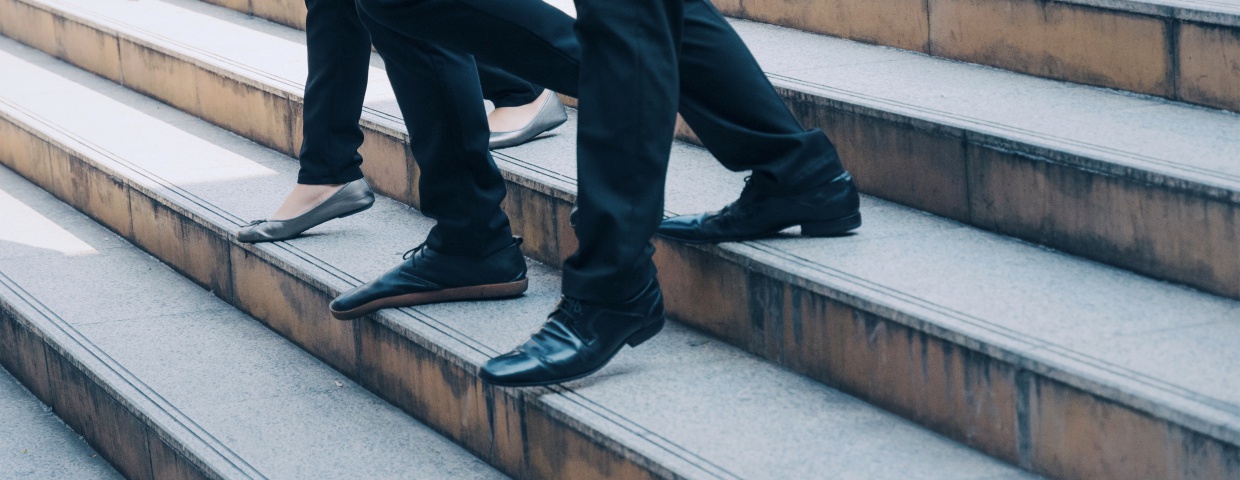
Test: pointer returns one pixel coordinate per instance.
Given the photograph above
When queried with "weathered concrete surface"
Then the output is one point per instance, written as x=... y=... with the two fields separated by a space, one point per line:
x=682 y=406
x=1174 y=49
x=1071 y=167
x=952 y=356
x=168 y=380
x=36 y=444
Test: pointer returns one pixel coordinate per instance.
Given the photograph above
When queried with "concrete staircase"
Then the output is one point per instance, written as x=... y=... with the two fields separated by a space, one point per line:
x=1060 y=365
x=166 y=380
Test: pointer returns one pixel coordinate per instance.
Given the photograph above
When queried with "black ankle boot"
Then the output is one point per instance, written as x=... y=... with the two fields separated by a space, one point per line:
x=828 y=210
x=577 y=340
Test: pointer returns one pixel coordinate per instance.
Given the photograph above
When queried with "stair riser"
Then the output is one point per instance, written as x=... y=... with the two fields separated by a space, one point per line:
x=1156 y=55
x=80 y=399
x=1044 y=197
x=1152 y=229
x=524 y=439
x=291 y=13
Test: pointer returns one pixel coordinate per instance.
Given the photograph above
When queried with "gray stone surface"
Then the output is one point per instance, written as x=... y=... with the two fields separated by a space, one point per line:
x=108 y=300
x=269 y=402
x=361 y=437
x=193 y=348
x=36 y=445
x=1035 y=305
x=682 y=395
x=28 y=232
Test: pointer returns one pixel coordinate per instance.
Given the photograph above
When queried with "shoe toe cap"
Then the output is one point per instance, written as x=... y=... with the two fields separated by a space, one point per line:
x=514 y=368
x=350 y=300
x=681 y=226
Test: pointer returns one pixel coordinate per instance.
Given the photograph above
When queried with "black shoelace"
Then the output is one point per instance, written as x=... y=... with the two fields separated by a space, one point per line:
x=413 y=251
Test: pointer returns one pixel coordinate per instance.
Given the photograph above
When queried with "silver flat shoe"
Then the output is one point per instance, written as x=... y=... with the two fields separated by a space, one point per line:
x=353 y=197
x=550 y=115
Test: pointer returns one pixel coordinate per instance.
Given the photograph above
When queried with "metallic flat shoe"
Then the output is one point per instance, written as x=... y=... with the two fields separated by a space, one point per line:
x=353 y=197
x=550 y=115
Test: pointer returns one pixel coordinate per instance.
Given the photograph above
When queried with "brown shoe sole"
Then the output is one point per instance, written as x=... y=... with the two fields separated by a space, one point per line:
x=474 y=292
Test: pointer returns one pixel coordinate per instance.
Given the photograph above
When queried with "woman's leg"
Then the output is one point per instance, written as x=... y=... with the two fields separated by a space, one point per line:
x=338 y=50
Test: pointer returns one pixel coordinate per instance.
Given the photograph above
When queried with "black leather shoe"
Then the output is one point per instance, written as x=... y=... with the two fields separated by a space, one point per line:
x=577 y=340
x=427 y=276
x=762 y=211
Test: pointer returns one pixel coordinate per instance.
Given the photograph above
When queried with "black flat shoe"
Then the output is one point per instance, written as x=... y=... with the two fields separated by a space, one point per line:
x=578 y=340
x=762 y=211
x=427 y=276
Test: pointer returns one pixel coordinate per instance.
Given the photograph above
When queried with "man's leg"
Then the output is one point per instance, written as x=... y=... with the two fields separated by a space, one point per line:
x=611 y=298
x=620 y=201
x=732 y=107
x=470 y=253
x=628 y=108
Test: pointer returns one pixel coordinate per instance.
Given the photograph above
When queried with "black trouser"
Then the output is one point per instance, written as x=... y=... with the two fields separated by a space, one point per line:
x=632 y=64
x=460 y=188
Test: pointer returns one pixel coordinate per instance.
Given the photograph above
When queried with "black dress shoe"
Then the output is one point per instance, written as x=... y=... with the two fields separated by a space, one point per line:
x=577 y=340
x=762 y=211
x=427 y=276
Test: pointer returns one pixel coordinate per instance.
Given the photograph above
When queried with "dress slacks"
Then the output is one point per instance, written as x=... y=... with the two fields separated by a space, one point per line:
x=460 y=188
x=632 y=64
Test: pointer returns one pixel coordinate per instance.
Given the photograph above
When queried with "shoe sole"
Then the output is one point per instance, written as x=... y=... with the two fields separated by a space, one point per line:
x=827 y=228
x=474 y=292
x=637 y=338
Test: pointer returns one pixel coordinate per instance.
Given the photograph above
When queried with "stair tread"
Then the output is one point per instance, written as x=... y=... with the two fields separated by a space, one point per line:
x=1128 y=131
x=705 y=407
x=259 y=404
x=1040 y=309
x=1221 y=12
x=36 y=443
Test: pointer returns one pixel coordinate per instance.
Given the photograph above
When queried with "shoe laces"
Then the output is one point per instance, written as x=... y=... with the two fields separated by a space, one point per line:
x=413 y=251
x=747 y=196
x=559 y=330
x=569 y=305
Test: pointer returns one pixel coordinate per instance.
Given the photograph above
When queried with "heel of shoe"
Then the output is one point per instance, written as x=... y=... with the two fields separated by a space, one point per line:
x=832 y=228
x=646 y=333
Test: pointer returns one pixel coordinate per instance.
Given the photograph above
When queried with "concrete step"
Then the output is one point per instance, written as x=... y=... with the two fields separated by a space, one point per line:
x=1144 y=184
x=37 y=444
x=166 y=380
x=1179 y=49
x=683 y=406
x=1030 y=355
